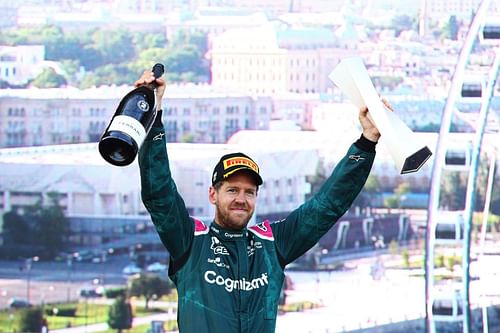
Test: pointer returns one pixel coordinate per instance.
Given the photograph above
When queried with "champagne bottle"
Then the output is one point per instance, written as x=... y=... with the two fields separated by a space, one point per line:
x=130 y=124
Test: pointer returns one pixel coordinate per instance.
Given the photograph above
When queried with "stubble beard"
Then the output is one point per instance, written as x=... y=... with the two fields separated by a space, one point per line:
x=225 y=221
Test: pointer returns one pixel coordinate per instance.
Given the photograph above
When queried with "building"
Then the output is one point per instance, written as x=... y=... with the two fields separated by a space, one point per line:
x=276 y=58
x=103 y=202
x=19 y=64
x=212 y=21
x=36 y=117
x=463 y=9
x=276 y=7
x=9 y=14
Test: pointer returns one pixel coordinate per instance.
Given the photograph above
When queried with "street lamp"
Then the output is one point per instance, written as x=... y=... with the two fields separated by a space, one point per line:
x=69 y=264
x=28 y=263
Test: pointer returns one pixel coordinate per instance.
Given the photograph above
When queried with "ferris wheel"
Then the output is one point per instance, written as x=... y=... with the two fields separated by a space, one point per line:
x=448 y=296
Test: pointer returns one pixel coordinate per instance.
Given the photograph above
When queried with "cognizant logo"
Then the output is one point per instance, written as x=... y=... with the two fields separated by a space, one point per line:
x=230 y=285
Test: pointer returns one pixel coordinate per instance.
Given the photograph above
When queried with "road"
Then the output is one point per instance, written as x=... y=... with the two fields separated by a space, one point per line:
x=49 y=282
x=350 y=299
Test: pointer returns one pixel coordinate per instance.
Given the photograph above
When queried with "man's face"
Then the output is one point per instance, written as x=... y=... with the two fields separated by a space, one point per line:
x=234 y=201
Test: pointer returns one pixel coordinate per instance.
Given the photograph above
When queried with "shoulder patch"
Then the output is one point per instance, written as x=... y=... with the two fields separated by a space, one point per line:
x=199 y=227
x=263 y=230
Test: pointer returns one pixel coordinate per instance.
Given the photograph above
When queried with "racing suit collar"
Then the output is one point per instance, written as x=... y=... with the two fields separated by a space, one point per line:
x=228 y=234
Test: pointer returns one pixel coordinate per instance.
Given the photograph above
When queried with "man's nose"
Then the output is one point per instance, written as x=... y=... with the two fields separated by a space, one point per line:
x=241 y=196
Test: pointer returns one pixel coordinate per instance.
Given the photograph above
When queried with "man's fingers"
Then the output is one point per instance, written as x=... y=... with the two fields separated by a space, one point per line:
x=146 y=78
x=387 y=105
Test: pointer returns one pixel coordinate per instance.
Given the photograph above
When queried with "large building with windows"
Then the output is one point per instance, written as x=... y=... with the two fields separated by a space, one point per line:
x=276 y=58
x=35 y=117
x=19 y=64
x=103 y=202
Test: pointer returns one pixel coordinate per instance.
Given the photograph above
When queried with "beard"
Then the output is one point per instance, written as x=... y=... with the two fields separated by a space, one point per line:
x=233 y=219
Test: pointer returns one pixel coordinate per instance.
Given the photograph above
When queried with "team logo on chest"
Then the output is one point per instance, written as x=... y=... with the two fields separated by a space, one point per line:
x=217 y=247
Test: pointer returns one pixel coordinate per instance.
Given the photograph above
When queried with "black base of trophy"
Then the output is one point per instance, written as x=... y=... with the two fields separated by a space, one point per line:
x=415 y=161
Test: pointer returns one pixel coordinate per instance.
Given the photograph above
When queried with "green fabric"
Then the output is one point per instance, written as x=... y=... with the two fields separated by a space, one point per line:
x=230 y=281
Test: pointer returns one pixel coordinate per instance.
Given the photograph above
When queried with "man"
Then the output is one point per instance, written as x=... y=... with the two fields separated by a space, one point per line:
x=228 y=276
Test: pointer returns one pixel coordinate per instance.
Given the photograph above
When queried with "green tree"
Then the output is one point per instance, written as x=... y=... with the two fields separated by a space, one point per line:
x=14 y=229
x=391 y=202
x=48 y=78
x=367 y=194
x=450 y=30
x=120 y=315
x=186 y=53
x=149 y=286
x=453 y=187
x=30 y=320
x=147 y=58
x=406 y=258
x=90 y=57
x=317 y=180
x=400 y=191
x=52 y=226
x=53 y=39
x=115 y=45
x=403 y=22
x=148 y=40
x=108 y=75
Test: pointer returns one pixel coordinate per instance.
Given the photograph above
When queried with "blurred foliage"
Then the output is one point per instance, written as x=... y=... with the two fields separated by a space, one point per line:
x=120 y=315
x=40 y=230
x=114 y=56
x=48 y=78
x=149 y=286
x=30 y=320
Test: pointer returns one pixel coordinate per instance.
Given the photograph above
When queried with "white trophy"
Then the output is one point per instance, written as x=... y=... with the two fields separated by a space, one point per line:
x=351 y=76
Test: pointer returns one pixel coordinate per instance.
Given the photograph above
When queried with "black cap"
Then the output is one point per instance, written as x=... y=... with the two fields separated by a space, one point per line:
x=230 y=163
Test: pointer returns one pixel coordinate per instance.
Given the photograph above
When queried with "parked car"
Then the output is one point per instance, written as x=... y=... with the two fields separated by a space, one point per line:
x=156 y=267
x=131 y=269
x=18 y=303
x=91 y=292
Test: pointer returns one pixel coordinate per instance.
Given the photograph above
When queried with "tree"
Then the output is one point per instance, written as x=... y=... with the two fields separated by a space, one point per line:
x=30 y=320
x=148 y=40
x=109 y=74
x=391 y=202
x=51 y=225
x=115 y=45
x=149 y=286
x=317 y=180
x=452 y=28
x=54 y=225
x=453 y=191
x=48 y=78
x=120 y=315
x=15 y=229
x=403 y=22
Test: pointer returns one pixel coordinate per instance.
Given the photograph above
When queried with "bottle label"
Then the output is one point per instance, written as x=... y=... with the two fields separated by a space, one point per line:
x=130 y=126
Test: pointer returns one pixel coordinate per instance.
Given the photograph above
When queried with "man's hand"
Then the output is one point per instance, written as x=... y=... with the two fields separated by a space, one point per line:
x=147 y=78
x=370 y=130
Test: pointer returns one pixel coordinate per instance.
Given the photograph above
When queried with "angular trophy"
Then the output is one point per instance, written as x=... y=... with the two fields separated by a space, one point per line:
x=351 y=76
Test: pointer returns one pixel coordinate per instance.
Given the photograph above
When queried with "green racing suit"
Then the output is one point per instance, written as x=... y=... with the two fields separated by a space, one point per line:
x=230 y=281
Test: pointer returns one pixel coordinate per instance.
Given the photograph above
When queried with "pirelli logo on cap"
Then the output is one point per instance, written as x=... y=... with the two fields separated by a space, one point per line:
x=240 y=161
x=231 y=163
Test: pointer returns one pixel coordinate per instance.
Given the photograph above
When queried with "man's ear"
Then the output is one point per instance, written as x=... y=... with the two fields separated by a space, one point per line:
x=212 y=194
